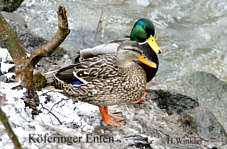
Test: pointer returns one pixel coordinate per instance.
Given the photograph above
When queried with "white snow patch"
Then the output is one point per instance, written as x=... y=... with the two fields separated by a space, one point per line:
x=5 y=56
x=5 y=67
x=20 y=118
x=4 y=59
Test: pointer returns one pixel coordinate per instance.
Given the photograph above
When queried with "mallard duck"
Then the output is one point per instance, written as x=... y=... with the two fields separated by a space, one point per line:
x=111 y=79
x=142 y=32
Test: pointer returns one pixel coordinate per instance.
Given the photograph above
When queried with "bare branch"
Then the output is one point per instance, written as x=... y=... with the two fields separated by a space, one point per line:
x=59 y=37
x=9 y=130
x=12 y=42
x=24 y=65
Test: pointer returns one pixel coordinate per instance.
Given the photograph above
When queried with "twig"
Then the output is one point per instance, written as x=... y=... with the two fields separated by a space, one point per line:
x=52 y=114
x=99 y=23
x=9 y=130
x=57 y=103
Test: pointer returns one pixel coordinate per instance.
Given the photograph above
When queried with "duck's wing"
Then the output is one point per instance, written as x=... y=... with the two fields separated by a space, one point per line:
x=103 y=66
x=108 y=48
x=90 y=79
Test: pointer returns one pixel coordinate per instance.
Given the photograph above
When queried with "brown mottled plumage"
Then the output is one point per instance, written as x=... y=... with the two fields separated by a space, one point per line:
x=108 y=86
x=107 y=79
x=113 y=79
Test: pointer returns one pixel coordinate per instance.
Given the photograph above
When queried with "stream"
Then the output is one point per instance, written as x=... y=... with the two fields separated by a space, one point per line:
x=192 y=34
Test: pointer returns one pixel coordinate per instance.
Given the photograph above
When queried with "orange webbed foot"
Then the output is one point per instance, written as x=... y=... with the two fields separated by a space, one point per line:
x=116 y=116
x=110 y=119
x=141 y=99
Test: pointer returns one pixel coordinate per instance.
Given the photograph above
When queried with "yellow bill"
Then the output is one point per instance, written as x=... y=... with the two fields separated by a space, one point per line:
x=146 y=61
x=153 y=44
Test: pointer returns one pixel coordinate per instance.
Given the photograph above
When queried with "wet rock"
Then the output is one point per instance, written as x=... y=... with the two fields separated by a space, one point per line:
x=171 y=101
x=206 y=87
x=167 y=119
x=148 y=126
x=205 y=124
x=139 y=142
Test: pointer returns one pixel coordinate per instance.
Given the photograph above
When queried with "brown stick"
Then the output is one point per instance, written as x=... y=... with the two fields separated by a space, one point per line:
x=24 y=65
x=59 y=37
x=9 y=130
x=12 y=42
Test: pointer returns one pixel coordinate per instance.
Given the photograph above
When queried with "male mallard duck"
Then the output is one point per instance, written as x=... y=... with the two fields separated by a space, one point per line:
x=111 y=79
x=143 y=32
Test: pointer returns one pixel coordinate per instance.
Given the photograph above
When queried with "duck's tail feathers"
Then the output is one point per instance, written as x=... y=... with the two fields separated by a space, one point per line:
x=67 y=88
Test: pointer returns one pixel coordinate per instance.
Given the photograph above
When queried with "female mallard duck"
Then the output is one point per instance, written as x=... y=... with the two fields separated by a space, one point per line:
x=142 y=32
x=111 y=79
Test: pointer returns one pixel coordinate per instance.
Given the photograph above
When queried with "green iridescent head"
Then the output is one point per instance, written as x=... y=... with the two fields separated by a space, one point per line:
x=143 y=30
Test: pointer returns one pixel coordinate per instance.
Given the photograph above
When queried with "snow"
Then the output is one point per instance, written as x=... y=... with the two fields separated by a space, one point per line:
x=21 y=120
x=5 y=56
x=23 y=124
x=5 y=67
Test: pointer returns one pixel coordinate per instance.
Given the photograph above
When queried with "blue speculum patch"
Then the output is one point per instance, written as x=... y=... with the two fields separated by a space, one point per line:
x=76 y=83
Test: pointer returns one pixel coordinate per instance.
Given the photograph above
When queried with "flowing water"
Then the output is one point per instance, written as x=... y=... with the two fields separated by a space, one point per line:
x=192 y=34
